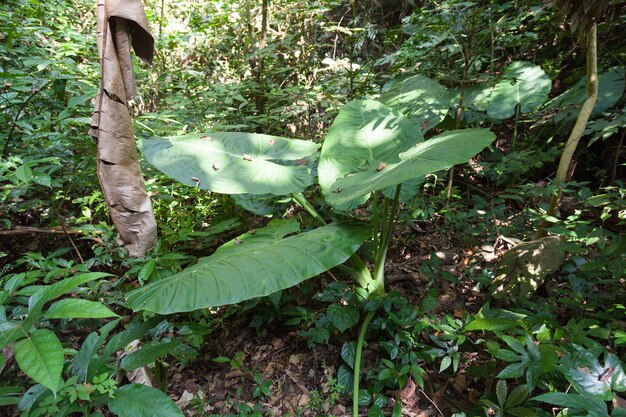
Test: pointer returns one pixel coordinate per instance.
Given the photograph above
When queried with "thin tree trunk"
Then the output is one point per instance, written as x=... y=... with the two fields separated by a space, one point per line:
x=579 y=127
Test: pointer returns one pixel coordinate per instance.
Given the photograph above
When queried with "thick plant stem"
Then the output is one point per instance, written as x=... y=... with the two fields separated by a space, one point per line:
x=578 y=129
x=457 y=117
x=375 y=222
x=309 y=208
x=357 y=363
x=359 y=271
x=379 y=265
x=383 y=229
x=388 y=217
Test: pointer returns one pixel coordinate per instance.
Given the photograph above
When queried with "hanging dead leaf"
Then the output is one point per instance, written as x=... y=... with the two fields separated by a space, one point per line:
x=111 y=125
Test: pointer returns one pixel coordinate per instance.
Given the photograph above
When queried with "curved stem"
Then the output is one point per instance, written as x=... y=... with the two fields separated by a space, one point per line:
x=308 y=207
x=384 y=229
x=579 y=127
x=375 y=221
x=357 y=363
x=379 y=266
x=517 y=112
x=358 y=271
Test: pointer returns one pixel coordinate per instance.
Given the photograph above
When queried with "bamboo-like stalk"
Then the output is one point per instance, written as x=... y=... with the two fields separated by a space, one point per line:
x=578 y=129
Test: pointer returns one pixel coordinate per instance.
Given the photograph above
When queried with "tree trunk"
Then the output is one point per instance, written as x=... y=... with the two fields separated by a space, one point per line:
x=579 y=127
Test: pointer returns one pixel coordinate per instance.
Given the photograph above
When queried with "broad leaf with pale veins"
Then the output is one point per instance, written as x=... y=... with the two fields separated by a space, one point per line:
x=436 y=154
x=365 y=135
x=424 y=101
x=256 y=264
x=233 y=162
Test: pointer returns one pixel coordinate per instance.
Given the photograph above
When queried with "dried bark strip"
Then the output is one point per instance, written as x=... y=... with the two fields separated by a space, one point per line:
x=122 y=24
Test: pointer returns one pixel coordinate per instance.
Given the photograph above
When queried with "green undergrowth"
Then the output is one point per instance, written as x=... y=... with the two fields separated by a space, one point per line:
x=412 y=312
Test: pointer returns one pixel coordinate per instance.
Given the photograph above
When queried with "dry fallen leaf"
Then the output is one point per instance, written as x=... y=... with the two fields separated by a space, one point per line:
x=185 y=399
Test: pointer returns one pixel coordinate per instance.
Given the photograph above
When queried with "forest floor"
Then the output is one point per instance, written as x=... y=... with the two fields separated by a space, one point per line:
x=303 y=378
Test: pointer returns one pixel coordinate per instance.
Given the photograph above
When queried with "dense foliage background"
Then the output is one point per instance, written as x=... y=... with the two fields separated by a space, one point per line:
x=444 y=341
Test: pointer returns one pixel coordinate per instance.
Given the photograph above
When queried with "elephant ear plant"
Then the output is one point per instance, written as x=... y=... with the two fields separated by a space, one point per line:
x=370 y=150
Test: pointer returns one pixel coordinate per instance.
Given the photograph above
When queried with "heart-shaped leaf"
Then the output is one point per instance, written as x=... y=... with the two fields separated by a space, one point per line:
x=254 y=265
x=365 y=135
x=233 y=162
x=343 y=317
x=522 y=83
x=424 y=101
x=439 y=153
x=611 y=86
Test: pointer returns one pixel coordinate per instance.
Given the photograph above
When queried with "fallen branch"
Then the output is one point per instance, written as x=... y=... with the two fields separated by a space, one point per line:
x=22 y=230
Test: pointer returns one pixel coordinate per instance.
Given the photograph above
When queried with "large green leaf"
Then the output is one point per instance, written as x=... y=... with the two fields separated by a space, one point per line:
x=136 y=400
x=611 y=86
x=594 y=407
x=10 y=331
x=588 y=375
x=439 y=153
x=50 y=292
x=256 y=264
x=364 y=135
x=233 y=163
x=40 y=356
x=262 y=204
x=77 y=308
x=424 y=101
x=522 y=83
